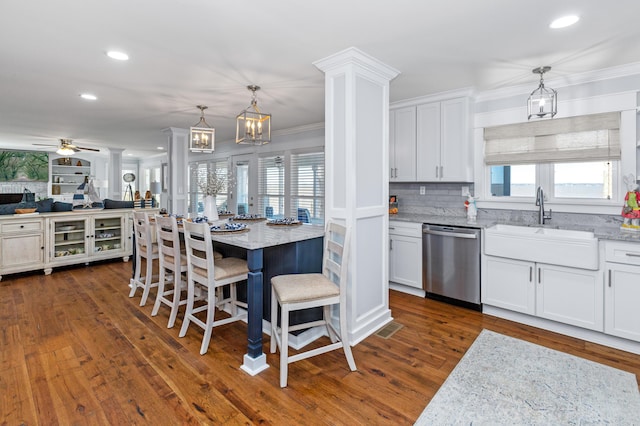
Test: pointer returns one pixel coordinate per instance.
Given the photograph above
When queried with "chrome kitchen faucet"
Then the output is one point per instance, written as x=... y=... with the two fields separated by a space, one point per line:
x=540 y=202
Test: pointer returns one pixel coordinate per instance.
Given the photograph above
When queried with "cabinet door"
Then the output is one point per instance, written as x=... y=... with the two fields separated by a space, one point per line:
x=454 y=157
x=428 y=145
x=68 y=239
x=402 y=148
x=109 y=234
x=21 y=250
x=405 y=260
x=569 y=295
x=621 y=296
x=509 y=284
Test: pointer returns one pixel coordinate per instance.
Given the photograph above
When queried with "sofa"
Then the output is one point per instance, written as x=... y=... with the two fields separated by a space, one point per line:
x=48 y=205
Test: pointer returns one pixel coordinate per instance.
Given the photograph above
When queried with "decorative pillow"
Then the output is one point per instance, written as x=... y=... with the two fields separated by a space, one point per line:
x=8 y=208
x=116 y=204
x=45 y=206
x=61 y=207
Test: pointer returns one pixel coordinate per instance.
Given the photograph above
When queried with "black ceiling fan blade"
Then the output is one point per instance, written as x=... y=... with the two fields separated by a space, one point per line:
x=87 y=149
x=44 y=144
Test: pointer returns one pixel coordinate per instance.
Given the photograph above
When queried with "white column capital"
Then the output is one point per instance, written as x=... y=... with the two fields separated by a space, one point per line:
x=353 y=56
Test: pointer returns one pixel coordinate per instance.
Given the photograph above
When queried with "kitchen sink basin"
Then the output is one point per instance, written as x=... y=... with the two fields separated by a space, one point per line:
x=578 y=249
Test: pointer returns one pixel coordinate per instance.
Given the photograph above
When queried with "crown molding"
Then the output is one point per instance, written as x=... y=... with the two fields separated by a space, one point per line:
x=569 y=80
x=436 y=97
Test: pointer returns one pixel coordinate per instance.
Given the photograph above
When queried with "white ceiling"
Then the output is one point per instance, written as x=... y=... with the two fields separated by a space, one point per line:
x=189 y=52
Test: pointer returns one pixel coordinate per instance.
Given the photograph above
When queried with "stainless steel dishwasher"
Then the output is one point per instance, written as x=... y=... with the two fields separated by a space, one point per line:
x=451 y=264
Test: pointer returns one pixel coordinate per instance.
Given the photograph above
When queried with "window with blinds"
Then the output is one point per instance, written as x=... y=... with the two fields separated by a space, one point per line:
x=307 y=186
x=271 y=193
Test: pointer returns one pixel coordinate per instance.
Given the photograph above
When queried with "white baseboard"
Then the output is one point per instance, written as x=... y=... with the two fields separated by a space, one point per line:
x=569 y=330
x=406 y=289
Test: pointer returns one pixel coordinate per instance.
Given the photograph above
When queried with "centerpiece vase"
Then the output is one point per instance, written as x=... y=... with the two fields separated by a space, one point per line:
x=210 y=208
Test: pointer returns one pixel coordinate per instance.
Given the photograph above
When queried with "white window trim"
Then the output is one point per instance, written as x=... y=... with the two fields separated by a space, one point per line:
x=623 y=102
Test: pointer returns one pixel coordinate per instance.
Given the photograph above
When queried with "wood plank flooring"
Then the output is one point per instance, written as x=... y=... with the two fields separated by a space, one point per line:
x=75 y=349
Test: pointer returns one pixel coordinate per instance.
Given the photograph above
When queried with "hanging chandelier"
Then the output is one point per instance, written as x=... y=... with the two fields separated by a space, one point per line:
x=543 y=101
x=253 y=127
x=201 y=135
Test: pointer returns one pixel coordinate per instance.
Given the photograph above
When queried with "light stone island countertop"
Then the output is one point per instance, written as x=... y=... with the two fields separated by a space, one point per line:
x=604 y=231
x=261 y=235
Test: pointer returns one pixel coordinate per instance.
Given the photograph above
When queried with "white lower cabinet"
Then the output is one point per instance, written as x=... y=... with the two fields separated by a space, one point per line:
x=21 y=245
x=622 y=290
x=509 y=284
x=405 y=253
x=568 y=295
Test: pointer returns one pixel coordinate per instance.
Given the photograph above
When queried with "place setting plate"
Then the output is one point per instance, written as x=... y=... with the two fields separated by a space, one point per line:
x=247 y=218
x=229 y=228
x=287 y=221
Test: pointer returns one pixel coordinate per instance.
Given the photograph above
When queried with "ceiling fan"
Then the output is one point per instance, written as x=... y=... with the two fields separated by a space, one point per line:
x=66 y=147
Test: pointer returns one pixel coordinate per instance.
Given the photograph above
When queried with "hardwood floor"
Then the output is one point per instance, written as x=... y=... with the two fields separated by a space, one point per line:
x=75 y=349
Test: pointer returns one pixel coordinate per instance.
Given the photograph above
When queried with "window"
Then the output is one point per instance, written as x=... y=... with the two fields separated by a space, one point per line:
x=518 y=180
x=572 y=158
x=583 y=180
x=197 y=176
x=271 y=192
x=307 y=186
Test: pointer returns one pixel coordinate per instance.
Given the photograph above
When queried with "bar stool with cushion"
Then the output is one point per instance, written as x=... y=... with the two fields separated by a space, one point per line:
x=147 y=249
x=303 y=291
x=203 y=272
x=173 y=263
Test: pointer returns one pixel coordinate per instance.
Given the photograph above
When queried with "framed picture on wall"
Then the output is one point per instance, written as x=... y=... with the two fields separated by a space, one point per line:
x=165 y=177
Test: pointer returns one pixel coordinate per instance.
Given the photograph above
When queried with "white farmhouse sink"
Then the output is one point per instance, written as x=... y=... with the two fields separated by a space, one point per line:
x=578 y=249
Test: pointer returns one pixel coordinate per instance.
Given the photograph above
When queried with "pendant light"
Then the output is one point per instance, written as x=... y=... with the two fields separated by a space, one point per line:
x=253 y=127
x=543 y=101
x=201 y=135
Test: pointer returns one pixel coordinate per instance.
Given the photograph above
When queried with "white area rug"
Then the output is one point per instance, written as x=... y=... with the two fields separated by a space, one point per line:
x=506 y=381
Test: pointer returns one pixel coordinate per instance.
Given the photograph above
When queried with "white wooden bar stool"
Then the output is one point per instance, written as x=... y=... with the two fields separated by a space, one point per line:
x=303 y=291
x=147 y=249
x=173 y=262
x=203 y=272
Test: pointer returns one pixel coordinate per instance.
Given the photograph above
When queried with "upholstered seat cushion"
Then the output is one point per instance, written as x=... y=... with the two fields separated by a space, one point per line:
x=302 y=287
x=225 y=268
x=170 y=259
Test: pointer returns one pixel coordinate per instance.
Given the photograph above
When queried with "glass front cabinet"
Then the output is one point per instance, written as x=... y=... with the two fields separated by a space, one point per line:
x=90 y=237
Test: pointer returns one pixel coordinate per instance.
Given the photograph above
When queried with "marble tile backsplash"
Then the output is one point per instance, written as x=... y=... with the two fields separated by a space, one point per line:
x=38 y=188
x=439 y=198
x=445 y=199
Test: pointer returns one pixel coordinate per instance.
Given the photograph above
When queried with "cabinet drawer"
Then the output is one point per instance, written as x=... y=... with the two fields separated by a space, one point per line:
x=622 y=252
x=13 y=227
x=409 y=229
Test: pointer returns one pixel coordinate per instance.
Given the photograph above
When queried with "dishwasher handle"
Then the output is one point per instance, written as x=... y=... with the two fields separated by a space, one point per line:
x=472 y=236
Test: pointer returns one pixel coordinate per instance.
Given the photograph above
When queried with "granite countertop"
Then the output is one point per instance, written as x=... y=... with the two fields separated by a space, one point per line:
x=261 y=235
x=605 y=231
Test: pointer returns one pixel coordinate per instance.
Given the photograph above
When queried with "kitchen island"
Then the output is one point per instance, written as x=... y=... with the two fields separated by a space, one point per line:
x=270 y=250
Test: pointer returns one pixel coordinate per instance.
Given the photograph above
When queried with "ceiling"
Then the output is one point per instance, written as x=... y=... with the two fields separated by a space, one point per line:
x=190 y=52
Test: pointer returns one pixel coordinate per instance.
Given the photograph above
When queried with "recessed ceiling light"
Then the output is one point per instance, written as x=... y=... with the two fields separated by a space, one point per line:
x=564 y=21
x=120 y=56
x=161 y=148
x=88 y=96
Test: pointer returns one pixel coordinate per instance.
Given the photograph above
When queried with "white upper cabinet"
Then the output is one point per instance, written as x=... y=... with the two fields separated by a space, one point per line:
x=402 y=144
x=443 y=153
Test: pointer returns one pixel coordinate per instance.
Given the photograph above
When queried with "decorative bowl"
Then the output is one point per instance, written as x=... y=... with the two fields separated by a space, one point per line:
x=23 y=211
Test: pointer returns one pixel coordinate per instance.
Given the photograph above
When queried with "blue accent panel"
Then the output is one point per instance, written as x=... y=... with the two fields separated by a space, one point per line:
x=254 y=296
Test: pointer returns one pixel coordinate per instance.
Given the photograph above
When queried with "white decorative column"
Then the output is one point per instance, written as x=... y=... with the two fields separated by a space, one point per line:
x=114 y=174
x=178 y=159
x=357 y=180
